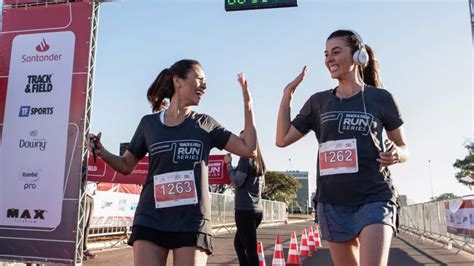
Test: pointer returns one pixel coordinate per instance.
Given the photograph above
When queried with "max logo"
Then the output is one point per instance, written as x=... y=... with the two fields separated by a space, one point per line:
x=43 y=46
x=15 y=213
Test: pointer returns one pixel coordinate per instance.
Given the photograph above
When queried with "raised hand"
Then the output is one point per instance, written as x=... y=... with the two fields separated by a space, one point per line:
x=245 y=87
x=291 y=87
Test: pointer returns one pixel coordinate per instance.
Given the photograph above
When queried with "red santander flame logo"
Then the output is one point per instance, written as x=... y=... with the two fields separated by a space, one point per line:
x=43 y=46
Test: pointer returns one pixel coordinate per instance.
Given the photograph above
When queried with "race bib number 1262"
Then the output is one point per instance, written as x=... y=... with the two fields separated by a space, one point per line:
x=338 y=157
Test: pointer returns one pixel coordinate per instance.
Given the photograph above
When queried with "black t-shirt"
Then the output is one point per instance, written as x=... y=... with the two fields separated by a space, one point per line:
x=332 y=118
x=248 y=196
x=173 y=149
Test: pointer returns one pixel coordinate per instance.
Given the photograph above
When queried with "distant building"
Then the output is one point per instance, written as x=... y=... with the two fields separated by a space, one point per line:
x=303 y=194
x=403 y=200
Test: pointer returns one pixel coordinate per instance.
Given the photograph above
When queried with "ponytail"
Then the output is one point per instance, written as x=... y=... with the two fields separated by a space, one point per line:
x=371 y=71
x=163 y=86
x=260 y=168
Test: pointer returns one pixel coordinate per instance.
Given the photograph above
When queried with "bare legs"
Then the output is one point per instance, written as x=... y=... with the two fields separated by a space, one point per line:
x=370 y=248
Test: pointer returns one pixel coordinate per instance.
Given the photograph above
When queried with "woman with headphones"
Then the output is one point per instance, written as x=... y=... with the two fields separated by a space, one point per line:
x=356 y=199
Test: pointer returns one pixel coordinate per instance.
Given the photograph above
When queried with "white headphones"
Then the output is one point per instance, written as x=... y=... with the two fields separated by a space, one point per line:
x=360 y=57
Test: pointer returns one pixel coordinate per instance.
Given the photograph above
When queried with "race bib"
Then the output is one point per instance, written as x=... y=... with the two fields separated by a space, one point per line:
x=338 y=157
x=175 y=189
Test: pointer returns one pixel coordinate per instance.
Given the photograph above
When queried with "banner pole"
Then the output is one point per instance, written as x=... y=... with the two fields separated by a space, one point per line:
x=87 y=126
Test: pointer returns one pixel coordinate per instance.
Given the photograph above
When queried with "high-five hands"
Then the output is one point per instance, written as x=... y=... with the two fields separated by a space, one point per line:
x=291 y=87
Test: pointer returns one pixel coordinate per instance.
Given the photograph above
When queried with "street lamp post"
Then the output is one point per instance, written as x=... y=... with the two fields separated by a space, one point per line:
x=431 y=179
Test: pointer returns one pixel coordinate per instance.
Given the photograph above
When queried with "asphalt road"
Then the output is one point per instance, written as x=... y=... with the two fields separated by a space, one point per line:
x=405 y=250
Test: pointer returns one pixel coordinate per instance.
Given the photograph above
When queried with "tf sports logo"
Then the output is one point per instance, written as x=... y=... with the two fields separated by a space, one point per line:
x=26 y=111
x=43 y=46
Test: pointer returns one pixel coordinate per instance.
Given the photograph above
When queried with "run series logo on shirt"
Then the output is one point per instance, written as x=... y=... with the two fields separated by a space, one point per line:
x=182 y=149
x=349 y=121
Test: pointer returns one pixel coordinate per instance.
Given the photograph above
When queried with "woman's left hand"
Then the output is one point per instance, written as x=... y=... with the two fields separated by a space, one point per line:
x=390 y=156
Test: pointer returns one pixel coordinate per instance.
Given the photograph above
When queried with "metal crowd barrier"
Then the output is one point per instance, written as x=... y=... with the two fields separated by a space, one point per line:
x=222 y=212
x=429 y=220
x=222 y=217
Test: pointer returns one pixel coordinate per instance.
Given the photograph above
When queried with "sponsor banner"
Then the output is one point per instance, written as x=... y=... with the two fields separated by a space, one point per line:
x=44 y=54
x=217 y=170
x=36 y=125
x=113 y=209
x=460 y=217
x=101 y=172
x=16 y=2
x=121 y=188
x=114 y=204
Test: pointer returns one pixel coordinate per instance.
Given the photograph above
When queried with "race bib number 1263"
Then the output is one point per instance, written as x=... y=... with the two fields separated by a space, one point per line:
x=175 y=189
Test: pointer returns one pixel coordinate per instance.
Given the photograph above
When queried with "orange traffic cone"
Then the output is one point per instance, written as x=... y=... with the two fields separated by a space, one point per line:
x=317 y=238
x=311 y=239
x=293 y=254
x=261 y=257
x=304 y=249
x=278 y=256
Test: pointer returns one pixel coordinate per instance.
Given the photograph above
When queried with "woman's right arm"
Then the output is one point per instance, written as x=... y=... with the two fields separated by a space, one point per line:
x=286 y=133
x=246 y=146
x=123 y=164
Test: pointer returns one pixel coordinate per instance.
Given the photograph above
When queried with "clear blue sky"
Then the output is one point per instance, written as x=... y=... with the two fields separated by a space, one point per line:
x=424 y=49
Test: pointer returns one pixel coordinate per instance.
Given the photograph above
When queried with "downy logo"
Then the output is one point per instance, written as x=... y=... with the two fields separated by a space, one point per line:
x=43 y=46
x=35 y=143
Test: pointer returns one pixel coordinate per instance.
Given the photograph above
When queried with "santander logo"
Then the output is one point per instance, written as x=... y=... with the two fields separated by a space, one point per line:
x=42 y=47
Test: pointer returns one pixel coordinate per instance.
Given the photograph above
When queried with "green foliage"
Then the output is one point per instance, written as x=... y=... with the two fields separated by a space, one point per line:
x=280 y=187
x=466 y=166
x=444 y=196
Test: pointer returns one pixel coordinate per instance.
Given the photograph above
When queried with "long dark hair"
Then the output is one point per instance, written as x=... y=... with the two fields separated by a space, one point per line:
x=371 y=72
x=163 y=86
x=259 y=168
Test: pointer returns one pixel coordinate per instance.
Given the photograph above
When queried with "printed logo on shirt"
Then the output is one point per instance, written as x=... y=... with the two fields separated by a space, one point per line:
x=349 y=121
x=183 y=150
